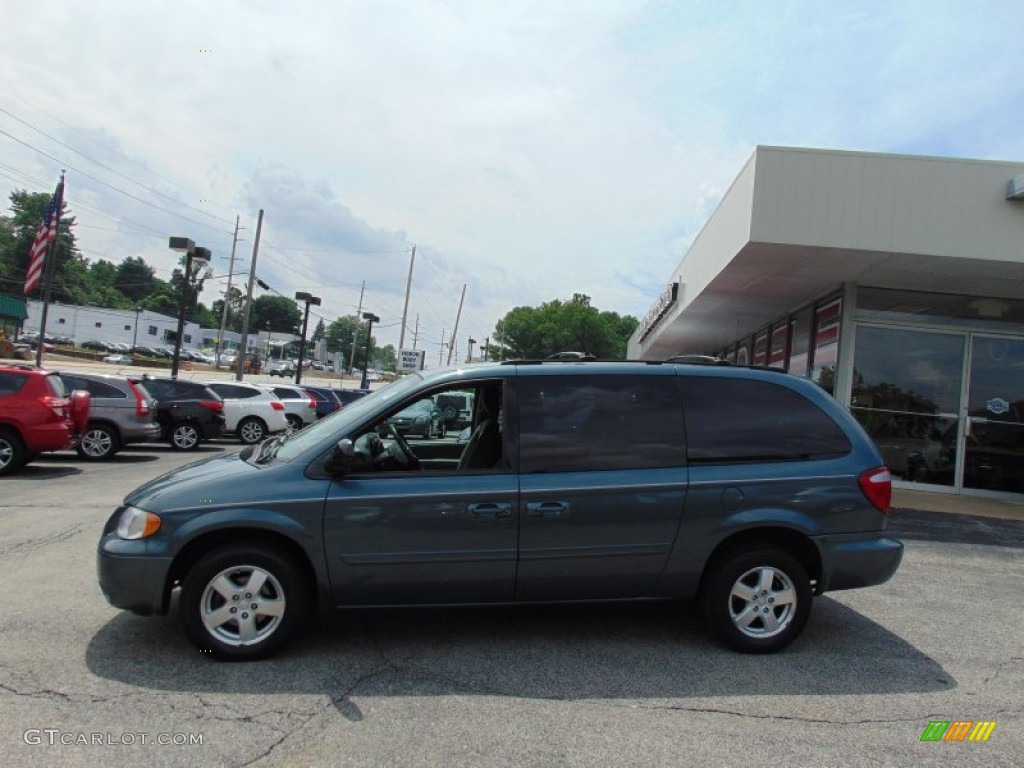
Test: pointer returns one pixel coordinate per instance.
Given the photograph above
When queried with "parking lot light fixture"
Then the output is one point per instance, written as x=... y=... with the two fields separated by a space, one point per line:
x=192 y=253
x=372 y=318
x=308 y=299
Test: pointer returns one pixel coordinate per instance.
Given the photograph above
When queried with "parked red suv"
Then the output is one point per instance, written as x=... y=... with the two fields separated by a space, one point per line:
x=37 y=414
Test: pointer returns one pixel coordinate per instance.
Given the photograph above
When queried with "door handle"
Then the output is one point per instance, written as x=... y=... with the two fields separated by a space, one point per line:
x=547 y=509
x=489 y=511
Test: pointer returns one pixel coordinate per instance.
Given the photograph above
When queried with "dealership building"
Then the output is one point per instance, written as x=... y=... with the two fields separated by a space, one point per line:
x=895 y=282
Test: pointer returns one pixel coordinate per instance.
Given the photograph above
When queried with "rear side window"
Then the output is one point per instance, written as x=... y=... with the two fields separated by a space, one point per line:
x=94 y=388
x=741 y=420
x=586 y=423
x=56 y=385
x=234 y=392
x=11 y=382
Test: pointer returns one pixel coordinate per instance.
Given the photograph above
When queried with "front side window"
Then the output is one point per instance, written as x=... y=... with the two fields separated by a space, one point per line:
x=742 y=420
x=415 y=435
x=587 y=423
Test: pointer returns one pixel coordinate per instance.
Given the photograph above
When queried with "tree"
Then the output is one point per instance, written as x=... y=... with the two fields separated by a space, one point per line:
x=134 y=278
x=559 y=326
x=236 y=309
x=18 y=231
x=386 y=358
x=318 y=332
x=280 y=312
x=339 y=339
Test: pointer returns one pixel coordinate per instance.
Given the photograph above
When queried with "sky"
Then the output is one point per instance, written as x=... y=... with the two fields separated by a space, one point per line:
x=528 y=149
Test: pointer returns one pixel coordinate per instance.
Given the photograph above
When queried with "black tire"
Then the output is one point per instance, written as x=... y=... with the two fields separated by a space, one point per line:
x=12 y=451
x=100 y=442
x=295 y=421
x=757 y=600
x=282 y=601
x=185 y=436
x=450 y=413
x=251 y=430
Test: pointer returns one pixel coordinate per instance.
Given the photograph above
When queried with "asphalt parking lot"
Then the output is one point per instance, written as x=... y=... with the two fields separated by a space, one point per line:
x=636 y=685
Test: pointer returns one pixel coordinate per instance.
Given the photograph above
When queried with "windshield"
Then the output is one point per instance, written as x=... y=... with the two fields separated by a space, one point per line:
x=332 y=428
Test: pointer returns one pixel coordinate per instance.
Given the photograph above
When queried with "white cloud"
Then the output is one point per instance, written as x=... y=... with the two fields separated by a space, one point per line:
x=530 y=149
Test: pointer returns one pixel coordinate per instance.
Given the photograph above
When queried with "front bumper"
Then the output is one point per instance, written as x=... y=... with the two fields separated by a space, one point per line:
x=131 y=579
x=854 y=560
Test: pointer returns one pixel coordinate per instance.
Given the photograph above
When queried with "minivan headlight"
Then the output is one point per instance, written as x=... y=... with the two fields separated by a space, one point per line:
x=137 y=523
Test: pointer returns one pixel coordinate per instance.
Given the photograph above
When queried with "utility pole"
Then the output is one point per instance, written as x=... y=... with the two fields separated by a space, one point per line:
x=355 y=333
x=405 y=308
x=227 y=296
x=440 y=351
x=455 y=333
x=243 y=352
x=416 y=333
x=487 y=348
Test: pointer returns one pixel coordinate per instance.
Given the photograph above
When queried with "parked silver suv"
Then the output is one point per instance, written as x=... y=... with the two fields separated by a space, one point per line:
x=121 y=412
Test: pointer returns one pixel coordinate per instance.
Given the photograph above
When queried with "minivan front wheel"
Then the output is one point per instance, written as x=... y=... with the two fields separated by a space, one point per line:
x=243 y=602
x=757 y=601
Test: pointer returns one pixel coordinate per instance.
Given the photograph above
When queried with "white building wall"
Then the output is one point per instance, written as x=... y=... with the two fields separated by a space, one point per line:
x=886 y=203
x=111 y=325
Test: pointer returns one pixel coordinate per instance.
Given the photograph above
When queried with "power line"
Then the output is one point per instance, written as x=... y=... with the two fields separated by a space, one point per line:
x=108 y=168
x=104 y=183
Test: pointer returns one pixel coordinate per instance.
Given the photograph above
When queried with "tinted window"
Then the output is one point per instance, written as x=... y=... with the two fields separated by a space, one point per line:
x=94 y=388
x=11 y=382
x=577 y=423
x=730 y=420
x=233 y=391
x=285 y=393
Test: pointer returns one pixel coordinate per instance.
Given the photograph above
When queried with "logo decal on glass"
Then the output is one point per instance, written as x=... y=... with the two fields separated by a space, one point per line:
x=997 y=406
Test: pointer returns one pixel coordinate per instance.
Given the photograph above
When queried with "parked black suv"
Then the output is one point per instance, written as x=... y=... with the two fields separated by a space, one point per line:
x=748 y=490
x=188 y=412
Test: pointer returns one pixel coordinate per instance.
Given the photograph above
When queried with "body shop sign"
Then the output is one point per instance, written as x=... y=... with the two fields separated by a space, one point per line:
x=665 y=301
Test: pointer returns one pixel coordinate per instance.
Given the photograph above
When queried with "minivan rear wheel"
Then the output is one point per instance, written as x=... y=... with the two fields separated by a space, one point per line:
x=758 y=600
x=242 y=602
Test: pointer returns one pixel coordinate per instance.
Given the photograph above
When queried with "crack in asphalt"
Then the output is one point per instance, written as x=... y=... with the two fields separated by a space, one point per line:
x=29 y=545
x=803 y=719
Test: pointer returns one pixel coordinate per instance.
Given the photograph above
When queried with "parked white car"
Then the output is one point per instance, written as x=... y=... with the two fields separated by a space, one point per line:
x=250 y=412
x=299 y=405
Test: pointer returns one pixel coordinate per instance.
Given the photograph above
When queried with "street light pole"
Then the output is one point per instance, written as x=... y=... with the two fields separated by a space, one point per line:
x=192 y=252
x=135 y=333
x=372 y=318
x=309 y=299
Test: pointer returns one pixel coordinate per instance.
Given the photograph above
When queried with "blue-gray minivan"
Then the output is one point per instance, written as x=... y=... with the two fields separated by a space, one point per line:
x=745 y=490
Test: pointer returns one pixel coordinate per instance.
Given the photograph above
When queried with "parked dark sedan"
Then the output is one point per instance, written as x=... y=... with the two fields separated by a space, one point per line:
x=327 y=401
x=188 y=412
x=349 y=396
x=422 y=418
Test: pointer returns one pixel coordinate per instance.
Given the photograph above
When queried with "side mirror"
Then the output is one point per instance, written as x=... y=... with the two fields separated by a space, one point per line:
x=342 y=457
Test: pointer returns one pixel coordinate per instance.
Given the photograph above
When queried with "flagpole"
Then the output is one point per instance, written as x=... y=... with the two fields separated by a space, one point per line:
x=51 y=261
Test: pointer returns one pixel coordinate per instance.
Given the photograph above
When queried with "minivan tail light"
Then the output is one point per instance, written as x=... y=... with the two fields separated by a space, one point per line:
x=876 y=485
x=312 y=403
x=277 y=405
x=141 y=406
x=213 y=405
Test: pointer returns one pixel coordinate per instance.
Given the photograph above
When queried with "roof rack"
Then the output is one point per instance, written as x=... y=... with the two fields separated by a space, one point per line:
x=698 y=360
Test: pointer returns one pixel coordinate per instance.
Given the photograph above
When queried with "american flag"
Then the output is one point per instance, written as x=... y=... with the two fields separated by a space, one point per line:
x=45 y=235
